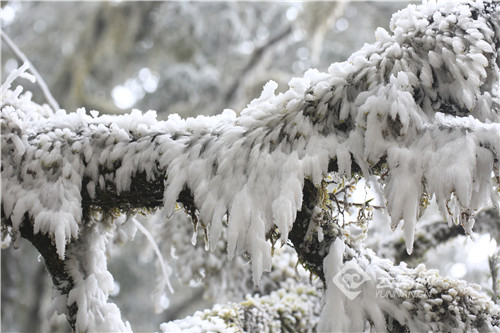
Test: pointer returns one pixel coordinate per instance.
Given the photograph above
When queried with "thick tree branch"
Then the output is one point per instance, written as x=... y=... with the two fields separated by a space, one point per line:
x=405 y=105
x=56 y=267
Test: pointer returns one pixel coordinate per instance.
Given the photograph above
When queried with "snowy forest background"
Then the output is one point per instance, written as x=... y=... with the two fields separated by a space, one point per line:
x=195 y=58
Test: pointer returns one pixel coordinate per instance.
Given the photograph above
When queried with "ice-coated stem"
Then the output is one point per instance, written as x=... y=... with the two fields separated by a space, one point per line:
x=39 y=79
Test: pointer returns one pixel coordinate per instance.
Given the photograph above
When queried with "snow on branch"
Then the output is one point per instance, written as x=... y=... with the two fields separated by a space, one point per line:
x=413 y=299
x=397 y=298
x=41 y=83
x=295 y=310
x=366 y=292
x=419 y=107
x=389 y=297
x=421 y=100
x=430 y=235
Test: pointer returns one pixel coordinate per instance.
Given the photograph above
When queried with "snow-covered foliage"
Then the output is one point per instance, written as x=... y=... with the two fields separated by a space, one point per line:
x=419 y=101
x=416 y=298
x=292 y=310
x=421 y=118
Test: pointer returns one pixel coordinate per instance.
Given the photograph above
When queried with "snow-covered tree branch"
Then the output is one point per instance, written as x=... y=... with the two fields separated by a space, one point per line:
x=418 y=101
x=290 y=310
x=433 y=234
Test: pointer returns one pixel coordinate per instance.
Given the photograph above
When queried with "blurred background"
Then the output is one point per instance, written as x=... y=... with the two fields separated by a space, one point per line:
x=189 y=58
x=182 y=57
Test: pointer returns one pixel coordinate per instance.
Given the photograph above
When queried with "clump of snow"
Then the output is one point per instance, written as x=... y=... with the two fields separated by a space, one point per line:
x=93 y=283
x=431 y=112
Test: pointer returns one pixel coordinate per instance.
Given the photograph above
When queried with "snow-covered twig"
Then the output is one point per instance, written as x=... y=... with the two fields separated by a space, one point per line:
x=18 y=73
x=165 y=270
x=40 y=81
x=398 y=298
x=433 y=234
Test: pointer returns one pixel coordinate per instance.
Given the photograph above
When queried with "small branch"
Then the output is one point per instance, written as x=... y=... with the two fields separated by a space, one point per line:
x=165 y=270
x=493 y=263
x=157 y=251
x=356 y=204
x=41 y=83
x=431 y=235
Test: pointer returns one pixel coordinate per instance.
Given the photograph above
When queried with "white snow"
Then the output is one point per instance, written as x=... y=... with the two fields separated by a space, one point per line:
x=382 y=289
x=93 y=283
x=425 y=103
x=253 y=166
